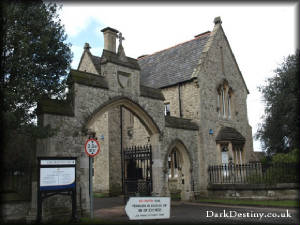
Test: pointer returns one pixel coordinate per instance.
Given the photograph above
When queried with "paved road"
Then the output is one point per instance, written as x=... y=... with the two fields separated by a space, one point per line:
x=112 y=209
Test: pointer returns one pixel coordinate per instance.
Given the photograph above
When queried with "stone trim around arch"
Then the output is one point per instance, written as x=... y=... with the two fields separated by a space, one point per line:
x=172 y=145
x=130 y=105
x=185 y=178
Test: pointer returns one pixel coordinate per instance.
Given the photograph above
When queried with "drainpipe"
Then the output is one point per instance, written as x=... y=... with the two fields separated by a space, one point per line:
x=121 y=144
x=179 y=100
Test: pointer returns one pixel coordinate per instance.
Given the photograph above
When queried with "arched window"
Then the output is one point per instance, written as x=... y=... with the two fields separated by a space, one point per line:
x=224 y=100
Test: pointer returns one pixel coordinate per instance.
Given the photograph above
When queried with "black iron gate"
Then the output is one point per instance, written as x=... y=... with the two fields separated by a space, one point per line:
x=137 y=171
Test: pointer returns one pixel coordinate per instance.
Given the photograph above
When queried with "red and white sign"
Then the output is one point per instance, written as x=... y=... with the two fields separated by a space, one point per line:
x=92 y=147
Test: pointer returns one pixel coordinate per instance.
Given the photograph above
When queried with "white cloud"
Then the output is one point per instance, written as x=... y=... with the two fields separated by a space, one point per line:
x=77 y=51
x=74 y=19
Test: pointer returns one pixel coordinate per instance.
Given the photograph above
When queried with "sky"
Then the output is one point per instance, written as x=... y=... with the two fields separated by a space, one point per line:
x=260 y=35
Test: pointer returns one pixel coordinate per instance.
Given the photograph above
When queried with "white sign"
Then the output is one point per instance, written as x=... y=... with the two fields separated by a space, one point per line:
x=58 y=162
x=92 y=147
x=57 y=176
x=144 y=208
x=225 y=157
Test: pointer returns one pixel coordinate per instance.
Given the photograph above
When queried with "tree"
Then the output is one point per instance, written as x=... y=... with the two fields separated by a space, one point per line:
x=34 y=59
x=279 y=131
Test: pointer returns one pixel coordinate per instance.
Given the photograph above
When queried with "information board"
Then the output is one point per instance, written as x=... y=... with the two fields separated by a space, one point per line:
x=56 y=175
x=62 y=177
x=143 y=208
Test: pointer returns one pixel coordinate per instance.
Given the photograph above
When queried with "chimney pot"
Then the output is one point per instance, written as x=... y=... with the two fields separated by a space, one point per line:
x=110 y=36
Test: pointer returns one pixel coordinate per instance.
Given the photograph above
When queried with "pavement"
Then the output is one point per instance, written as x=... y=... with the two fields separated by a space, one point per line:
x=184 y=212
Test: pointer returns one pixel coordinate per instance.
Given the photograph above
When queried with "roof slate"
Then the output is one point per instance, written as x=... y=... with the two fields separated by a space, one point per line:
x=230 y=134
x=87 y=79
x=96 y=61
x=151 y=93
x=108 y=56
x=180 y=123
x=173 y=65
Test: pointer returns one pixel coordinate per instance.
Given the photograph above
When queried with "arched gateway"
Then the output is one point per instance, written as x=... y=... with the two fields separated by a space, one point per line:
x=155 y=118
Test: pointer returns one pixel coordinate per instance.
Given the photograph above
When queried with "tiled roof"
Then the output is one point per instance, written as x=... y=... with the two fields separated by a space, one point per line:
x=108 y=56
x=96 y=61
x=173 y=65
x=151 y=93
x=88 y=79
x=230 y=134
x=180 y=123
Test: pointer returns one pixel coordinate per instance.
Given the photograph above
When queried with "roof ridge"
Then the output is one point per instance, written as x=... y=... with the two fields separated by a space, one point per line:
x=195 y=38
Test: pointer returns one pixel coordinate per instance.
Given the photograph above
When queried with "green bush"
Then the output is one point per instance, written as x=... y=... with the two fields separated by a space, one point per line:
x=291 y=157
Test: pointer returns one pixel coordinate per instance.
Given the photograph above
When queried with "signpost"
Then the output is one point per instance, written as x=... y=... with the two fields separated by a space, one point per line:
x=56 y=175
x=92 y=148
x=143 y=208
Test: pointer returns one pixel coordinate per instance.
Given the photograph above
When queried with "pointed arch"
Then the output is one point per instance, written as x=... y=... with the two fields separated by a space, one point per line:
x=177 y=143
x=130 y=105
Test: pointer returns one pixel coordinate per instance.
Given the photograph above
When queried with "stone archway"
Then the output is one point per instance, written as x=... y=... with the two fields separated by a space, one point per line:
x=109 y=170
x=132 y=106
x=178 y=168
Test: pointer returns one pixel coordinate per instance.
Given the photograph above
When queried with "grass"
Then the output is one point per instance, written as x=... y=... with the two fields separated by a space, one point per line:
x=101 y=195
x=95 y=221
x=276 y=203
x=104 y=221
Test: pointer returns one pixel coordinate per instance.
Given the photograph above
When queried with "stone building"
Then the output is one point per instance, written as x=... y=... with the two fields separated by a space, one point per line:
x=188 y=102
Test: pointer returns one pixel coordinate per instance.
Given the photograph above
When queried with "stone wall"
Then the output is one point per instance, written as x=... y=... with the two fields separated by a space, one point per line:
x=134 y=132
x=216 y=64
x=115 y=174
x=101 y=161
x=189 y=100
x=86 y=63
x=189 y=96
x=171 y=97
x=289 y=191
x=14 y=211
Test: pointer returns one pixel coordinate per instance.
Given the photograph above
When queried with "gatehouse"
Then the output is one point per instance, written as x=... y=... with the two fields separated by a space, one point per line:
x=160 y=119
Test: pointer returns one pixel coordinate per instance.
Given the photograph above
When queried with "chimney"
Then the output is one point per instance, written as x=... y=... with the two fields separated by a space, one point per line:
x=110 y=36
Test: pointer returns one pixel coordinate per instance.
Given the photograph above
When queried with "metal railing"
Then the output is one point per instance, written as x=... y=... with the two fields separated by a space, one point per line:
x=254 y=173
